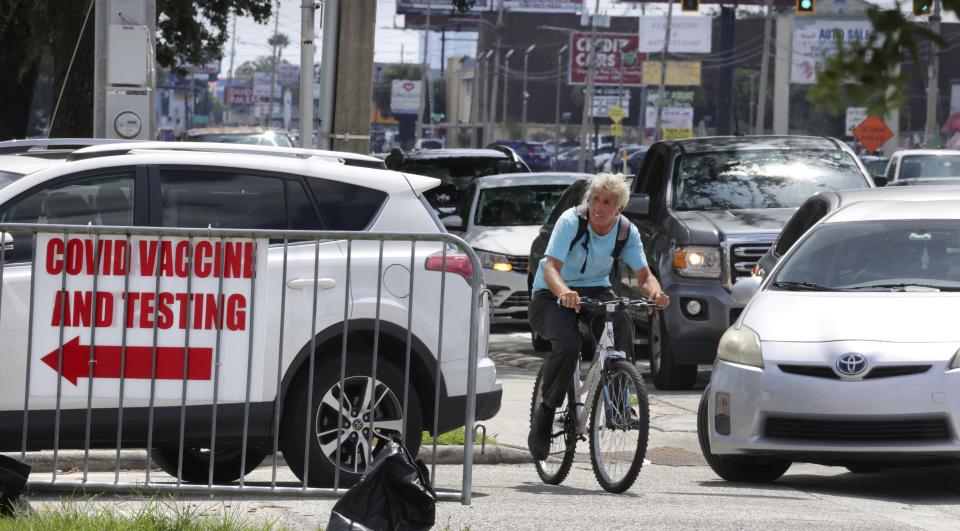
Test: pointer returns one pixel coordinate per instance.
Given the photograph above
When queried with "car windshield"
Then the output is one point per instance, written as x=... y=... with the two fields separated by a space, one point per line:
x=761 y=178
x=257 y=139
x=7 y=177
x=517 y=205
x=920 y=166
x=897 y=255
x=460 y=172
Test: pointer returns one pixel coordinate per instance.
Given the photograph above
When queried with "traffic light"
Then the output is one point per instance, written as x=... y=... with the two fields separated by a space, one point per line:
x=922 y=8
x=690 y=5
x=806 y=7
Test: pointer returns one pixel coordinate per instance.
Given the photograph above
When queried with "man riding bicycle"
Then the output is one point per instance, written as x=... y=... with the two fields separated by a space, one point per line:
x=585 y=242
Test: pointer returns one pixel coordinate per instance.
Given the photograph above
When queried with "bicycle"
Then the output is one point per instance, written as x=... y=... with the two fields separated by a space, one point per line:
x=624 y=417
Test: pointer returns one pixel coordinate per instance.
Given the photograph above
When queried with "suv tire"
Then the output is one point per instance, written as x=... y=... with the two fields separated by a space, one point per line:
x=738 y=469
x=667 y=374
x=325 y=410
x=196 y=463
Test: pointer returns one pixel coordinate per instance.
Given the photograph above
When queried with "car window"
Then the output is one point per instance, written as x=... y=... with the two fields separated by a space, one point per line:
x=7 y=177
x=877 y=255
x=762 y=178
x=346 y=206
x=572 y=196
x=226 y=200
x=105 y=199
x=301 y=214
x=517 y=205
x=921 y=166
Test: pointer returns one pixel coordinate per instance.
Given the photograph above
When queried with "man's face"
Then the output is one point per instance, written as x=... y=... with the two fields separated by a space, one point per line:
x=604 y=209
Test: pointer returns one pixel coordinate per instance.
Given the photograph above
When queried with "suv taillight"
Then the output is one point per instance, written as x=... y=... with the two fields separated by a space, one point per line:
x=456 y=263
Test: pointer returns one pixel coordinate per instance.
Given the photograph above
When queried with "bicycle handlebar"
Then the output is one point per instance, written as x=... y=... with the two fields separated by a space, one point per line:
x=621 y=302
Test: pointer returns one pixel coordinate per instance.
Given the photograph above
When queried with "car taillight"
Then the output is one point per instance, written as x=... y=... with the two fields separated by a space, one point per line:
x=456 y=263
x=530 y=154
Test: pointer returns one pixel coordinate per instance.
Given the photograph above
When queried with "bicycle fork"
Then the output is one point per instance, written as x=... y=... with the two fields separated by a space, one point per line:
x=605 y=351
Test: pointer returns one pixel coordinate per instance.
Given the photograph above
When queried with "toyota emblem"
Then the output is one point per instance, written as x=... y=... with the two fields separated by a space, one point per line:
x=851 y=365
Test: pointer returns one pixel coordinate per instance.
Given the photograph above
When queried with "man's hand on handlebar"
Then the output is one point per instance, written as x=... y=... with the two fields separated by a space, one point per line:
x=569 y=299
x=660 y=301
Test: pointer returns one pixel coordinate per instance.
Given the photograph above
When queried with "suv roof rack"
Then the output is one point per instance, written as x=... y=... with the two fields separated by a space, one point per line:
x=37 y=146
x=349 y=159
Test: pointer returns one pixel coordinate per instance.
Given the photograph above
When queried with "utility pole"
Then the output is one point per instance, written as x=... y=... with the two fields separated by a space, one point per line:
x=506 y=84
x=657 y=131
x=424 y=78
x=492 y=108
x=328 y=72
x=276 y=62
x=933 y=83
x=753 y=102
x=485 y=115
x=556 y=116
x=758 y=128
x=307 y=50
x=588 y=95
x=526 y=95
x=233 y=50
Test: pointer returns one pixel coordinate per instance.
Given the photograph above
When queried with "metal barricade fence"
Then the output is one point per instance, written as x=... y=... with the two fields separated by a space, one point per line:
x=190 y=356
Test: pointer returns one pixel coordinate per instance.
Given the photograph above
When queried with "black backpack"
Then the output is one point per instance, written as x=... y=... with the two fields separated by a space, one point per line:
x=583 y=216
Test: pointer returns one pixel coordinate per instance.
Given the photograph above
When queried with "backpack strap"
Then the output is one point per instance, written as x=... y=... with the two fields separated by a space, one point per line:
x=623 y=233
x=583 y=219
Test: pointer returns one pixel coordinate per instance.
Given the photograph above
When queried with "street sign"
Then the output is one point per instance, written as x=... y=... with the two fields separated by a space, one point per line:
x=616 y=129
x=872 y=133
x=616 y=114
x=606 y=98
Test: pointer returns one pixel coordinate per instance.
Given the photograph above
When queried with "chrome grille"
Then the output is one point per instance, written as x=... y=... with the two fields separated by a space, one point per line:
x=519 y=263
x=743 y=256
x=519 y=298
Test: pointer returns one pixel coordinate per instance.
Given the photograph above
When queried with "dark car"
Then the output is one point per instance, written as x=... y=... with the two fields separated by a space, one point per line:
x=535 y=155
x=818 y=206
x=457 y=168
x=707 y=210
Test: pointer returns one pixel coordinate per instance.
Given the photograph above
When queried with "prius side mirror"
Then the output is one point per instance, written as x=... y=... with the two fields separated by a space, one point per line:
x=7 y=242
x=880 y=180
x=745 y=288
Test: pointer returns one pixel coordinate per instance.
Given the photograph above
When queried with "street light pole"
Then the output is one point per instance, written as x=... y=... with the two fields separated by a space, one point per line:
x=933 y=73
x=758 y=126
x=526 y=96
x=506 y=84
x=424 y=76
x=556 y=117
x=486 y=96
x=657 y=131
x=588 y=94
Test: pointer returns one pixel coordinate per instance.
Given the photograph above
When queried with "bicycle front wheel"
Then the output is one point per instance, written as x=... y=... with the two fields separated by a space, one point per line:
x=619 y=426
x=563 y=441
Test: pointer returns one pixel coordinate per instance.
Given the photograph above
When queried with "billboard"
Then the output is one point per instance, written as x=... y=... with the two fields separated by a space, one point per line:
x=439 y=7
x=688 y=34
x=814 y=38
x=261 y=85
x=241 y=96
x=679 y=73
x=405 y=96
x=444 y=7
x=609 y=51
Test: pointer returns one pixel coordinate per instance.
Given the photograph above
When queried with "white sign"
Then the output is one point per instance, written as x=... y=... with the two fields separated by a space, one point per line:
x=812 y=39
x=855 y=116
x=288 y=74
x=64 y=299
x=545 y=6
x=688 y=34
x=673 y=117
x=261 y=85
x=405 y=96
x=606 y=98
x=955 y=98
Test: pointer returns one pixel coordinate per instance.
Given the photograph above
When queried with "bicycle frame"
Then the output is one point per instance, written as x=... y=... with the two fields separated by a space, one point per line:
x=605 y=350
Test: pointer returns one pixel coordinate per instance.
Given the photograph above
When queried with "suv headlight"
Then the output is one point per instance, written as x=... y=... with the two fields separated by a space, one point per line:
x=495 y=261
x=742 y=346
x=698 y=262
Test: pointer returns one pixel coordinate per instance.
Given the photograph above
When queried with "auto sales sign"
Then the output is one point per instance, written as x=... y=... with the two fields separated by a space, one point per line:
x=114 y=308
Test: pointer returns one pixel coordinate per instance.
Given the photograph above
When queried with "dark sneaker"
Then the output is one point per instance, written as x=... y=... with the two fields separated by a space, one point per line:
x=540 y=430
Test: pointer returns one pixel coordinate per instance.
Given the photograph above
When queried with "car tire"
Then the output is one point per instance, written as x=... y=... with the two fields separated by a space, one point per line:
x=321 y=471
x=737 y=469
x=667 y=374
x=196 y=463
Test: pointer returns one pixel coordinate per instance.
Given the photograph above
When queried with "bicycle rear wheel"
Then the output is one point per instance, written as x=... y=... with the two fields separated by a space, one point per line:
x=619 y=426
x=563 y=441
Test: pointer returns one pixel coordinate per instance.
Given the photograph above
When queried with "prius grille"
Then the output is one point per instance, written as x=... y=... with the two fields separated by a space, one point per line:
x=883 y=371
x=928 y=429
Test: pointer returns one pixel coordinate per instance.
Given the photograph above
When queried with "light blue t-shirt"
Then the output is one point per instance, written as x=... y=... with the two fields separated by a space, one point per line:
x=599 y=255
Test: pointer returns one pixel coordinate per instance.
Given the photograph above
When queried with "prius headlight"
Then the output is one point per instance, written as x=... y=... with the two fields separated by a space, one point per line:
x=495 y=261
x=740 y=345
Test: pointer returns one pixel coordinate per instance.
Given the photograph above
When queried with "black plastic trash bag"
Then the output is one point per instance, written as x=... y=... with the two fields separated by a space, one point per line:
x=13 y=477
x=394 y=494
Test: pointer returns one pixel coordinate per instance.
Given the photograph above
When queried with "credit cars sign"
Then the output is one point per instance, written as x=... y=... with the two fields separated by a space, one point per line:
x=111 y=301
x=610 y=50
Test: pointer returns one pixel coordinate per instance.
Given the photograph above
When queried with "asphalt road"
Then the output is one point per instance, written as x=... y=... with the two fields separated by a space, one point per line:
x=675 y=489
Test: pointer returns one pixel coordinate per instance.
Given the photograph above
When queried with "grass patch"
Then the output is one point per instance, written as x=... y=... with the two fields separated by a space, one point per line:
x=454 y=438
x=153 y=516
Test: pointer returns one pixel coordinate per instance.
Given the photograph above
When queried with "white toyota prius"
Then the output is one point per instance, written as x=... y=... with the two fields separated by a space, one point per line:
x=847 y=353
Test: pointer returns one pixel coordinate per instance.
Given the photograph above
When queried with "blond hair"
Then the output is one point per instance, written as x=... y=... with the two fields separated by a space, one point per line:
x=614 y=183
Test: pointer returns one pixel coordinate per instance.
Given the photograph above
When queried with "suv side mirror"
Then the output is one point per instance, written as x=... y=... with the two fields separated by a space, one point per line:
x=745 y=288
x=880 y=180
x=638 y=206
x=7 y=242
x=453 y=223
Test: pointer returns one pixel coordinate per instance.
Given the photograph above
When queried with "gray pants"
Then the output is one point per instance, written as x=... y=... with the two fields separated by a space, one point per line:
x=558 y=325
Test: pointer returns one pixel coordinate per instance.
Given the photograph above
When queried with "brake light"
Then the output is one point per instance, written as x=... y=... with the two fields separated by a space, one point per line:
x=456 y=263
x=530 y=154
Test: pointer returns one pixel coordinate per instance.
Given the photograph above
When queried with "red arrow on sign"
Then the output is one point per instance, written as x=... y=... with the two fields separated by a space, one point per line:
x=76 y=362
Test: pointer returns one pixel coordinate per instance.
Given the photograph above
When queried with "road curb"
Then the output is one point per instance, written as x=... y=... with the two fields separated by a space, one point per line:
x=106 y=460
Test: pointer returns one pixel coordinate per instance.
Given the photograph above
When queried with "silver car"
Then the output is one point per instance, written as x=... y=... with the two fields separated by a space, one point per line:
x=847 y=353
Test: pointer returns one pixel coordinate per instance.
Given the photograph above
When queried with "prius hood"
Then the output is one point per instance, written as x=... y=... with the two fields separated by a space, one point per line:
x=846 y=316
x=514 y=241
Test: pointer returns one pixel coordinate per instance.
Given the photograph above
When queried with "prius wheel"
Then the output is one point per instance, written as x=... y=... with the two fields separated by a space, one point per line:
x=336 y=429
x=735 y=468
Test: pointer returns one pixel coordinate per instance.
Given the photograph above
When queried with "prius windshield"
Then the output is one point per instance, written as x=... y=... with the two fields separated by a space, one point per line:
x=517 y=205
x=888 y=255
x=769 y=178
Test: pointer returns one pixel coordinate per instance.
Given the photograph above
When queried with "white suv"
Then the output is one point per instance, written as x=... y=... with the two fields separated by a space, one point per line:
x=178 y=187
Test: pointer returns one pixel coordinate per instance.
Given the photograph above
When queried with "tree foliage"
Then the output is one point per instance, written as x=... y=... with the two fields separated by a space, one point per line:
x=867 y=73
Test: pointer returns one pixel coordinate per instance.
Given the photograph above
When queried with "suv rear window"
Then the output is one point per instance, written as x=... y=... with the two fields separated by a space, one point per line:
x=460 y=172
x=762 y=178
x=347 y=206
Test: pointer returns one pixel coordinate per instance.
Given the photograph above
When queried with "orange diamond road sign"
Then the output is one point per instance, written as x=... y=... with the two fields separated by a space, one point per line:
x=872 y=133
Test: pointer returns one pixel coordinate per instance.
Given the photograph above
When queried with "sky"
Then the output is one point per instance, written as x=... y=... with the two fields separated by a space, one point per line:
x=391 y=39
